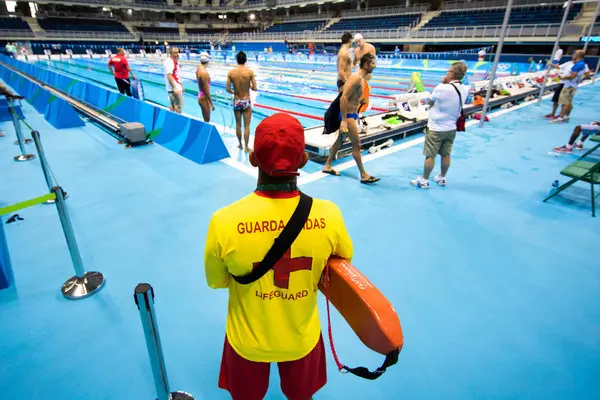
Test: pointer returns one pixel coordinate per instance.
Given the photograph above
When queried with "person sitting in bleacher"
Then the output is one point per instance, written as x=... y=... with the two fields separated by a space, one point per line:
x=593 y=128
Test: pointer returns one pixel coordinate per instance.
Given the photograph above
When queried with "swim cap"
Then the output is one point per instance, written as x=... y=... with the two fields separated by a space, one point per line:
x=204 y=57
x=358 y=37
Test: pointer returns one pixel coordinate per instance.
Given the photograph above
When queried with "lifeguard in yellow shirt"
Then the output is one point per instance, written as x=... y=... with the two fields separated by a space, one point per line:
x=274 y=319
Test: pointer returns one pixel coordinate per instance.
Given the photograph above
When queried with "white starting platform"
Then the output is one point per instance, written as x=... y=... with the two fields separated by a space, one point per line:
x=376 y=132
x=412 y=108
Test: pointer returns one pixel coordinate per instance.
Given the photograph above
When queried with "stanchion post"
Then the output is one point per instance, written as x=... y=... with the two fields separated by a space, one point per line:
x=83 y=284
x=589 y=33
x=45 y=166
x=556 y=42
x=496 y=61
x=38 y=146
x=144 y=299
x=24 y=156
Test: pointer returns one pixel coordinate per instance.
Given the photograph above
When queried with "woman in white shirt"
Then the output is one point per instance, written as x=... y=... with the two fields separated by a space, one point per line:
x=447 y=100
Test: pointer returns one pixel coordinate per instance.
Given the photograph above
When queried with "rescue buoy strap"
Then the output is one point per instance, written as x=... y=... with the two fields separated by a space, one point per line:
x=390 y=359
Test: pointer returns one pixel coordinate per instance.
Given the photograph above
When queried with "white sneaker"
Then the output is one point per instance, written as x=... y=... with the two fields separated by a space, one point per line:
x=440 y=180
x=420 y=182
x=558 y=120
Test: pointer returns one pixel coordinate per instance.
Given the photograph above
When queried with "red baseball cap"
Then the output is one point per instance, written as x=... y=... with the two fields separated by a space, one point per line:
x=279 y=145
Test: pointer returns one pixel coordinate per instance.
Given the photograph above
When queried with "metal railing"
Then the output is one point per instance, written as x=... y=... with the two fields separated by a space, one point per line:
x=466 y=32
x=484 y=4
x=374 y=12
x=64 y=14
x=299 y=18
x=519 y=31
x=147 y=5
x=168 y=36
x=139 y=5
x=15 y=33
x=87 y=35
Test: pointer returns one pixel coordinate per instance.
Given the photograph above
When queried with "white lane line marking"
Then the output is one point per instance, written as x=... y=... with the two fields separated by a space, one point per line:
x=315 y=176
x=247 y=169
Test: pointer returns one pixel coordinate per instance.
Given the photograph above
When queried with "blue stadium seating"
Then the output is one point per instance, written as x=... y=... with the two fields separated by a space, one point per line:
x=519 y=16
x=361 y=24
x=13 y=24
x=296 y=26
x=153 y=29
x=81 y=24
x=200 y=31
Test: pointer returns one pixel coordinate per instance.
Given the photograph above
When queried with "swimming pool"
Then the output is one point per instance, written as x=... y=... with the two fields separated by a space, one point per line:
x=302 y=89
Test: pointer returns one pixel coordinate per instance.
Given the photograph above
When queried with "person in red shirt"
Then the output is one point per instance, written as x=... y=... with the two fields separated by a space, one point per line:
x=119 y=67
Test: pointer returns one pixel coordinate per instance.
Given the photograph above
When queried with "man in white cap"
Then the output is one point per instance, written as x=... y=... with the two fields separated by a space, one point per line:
x=362 y=49
x=204 y=98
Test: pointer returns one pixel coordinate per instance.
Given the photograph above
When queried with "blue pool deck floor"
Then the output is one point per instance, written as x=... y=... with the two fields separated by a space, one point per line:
x=497 y=292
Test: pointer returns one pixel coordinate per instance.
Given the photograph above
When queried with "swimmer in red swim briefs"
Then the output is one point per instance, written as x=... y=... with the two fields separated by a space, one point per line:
x=243 y=80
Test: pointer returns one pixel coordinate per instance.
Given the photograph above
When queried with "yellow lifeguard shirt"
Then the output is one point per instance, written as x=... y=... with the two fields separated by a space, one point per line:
x=274 y=319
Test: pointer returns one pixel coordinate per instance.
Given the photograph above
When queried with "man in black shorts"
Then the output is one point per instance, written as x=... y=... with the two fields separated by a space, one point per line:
x=119 y=67
x=555 y=98
x=559 y=88
x=344 y=64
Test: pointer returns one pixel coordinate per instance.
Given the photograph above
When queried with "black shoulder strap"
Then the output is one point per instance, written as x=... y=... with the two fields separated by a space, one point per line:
x=459 y=97
x=362 y=372
x=282 y=243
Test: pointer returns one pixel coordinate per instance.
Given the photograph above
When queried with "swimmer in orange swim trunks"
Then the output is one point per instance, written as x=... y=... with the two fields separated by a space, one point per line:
x=204 y=98
x=363 y=105
x=243 y=80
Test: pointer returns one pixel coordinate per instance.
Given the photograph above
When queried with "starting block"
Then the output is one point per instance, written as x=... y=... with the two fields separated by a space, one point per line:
x=413 y=105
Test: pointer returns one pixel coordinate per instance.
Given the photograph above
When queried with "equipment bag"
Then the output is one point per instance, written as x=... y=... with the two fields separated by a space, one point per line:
x=332 y=120
x=461 y=121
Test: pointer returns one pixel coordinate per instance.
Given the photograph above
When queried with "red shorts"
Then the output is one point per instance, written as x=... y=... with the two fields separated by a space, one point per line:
x=249 y=380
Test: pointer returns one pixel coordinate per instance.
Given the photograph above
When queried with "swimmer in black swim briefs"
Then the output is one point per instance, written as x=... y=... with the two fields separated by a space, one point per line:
x=344 y=64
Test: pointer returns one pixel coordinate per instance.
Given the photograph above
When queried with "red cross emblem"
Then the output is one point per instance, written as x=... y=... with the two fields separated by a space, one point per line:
x=286 y=265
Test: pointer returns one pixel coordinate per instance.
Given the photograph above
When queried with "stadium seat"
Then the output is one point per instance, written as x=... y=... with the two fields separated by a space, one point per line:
x=81 y=24
x=9 y=23
x=361 y=24
x=296 y=26
x=519 y=16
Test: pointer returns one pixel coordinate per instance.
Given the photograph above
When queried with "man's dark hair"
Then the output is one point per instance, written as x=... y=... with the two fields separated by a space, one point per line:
x=346 y=37
x=365 y=59
x=241 y=58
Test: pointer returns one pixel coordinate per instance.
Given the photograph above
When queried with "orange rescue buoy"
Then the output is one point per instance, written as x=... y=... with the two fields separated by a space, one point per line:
x=370 y=315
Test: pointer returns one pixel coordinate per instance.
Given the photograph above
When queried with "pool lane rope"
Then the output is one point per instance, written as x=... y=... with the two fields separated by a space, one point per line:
x=273 y=82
